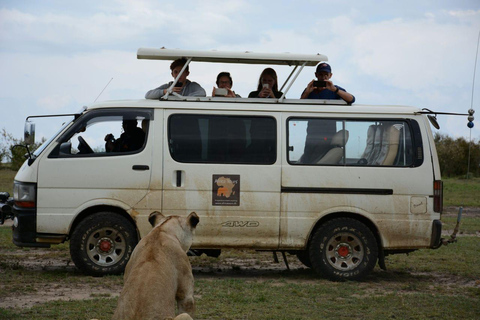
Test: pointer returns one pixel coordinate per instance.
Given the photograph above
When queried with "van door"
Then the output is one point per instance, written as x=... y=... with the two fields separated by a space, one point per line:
x=84 y=170
x=225 y=167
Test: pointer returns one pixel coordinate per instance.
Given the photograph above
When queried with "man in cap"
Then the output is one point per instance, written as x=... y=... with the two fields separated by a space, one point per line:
x=324 y=87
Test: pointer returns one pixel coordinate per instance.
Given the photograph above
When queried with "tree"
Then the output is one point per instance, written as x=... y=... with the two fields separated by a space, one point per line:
x=14 y=155
x=453 y=156
x=6 y=141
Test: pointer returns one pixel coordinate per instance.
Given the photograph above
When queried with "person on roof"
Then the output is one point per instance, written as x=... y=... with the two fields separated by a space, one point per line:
x=225 y=81
x=267 y=85
x=324 y=87
x=183 y=86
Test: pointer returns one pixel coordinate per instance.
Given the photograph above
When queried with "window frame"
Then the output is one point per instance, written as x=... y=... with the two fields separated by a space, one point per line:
x=211 y=116
x=97 y=113
x=413 y=127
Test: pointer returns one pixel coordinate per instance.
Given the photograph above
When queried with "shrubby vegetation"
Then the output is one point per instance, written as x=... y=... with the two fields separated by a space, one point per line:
x=452 y=154
x=15 y=156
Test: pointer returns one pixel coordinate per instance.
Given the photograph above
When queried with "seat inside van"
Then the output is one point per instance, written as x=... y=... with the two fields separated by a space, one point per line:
x=335 y=154
x=318 y=140
x=389 y=148
x=382 y=145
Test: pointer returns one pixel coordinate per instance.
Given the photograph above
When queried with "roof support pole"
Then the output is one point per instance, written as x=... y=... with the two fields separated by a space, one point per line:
x=291 y=82
x=289 y=76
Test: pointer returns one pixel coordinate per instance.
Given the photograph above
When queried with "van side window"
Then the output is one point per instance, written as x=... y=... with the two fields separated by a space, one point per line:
x=104 y=135
x=222 y=139
x=350 y=142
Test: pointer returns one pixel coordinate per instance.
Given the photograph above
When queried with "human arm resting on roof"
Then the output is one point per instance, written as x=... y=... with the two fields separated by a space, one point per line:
x=158 y=92
x=347 y=97
x=340 y=92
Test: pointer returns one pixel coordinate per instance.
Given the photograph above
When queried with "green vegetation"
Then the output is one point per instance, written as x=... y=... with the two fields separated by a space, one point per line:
x=6 y=179
x=253 y=299
x=453 y=156
x=461 y=192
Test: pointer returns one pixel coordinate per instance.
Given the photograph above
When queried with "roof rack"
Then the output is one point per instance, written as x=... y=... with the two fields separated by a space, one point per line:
x=247 y=57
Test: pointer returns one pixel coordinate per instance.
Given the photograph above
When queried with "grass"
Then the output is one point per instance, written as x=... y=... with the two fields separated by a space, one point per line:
x=396 y=294
x=467 y=226
x=426 y=284
x=454 y=260
x=6 y=179
x=461 y=192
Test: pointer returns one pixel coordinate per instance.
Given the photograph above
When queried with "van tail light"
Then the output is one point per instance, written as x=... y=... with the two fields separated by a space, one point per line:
x=438 y=196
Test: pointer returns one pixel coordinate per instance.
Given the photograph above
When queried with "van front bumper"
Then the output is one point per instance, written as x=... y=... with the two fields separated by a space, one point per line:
x=25 y=228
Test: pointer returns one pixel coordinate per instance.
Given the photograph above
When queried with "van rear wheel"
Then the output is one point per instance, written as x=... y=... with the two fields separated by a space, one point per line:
x=343 y=248
x=102 y=244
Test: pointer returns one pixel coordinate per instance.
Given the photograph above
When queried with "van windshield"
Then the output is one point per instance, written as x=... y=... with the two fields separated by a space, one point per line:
x=40 y=149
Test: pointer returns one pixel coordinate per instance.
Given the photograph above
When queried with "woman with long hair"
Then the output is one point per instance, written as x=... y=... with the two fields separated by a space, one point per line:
x=267 y=85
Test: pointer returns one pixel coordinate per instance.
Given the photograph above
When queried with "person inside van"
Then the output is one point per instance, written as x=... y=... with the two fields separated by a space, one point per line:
x=224 y=83
x=267 y=85
x=183 y=86
x=324 y=88
x=131 y=139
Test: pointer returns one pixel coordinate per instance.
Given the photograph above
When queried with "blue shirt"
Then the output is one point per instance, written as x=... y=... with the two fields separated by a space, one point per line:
x=327 y=95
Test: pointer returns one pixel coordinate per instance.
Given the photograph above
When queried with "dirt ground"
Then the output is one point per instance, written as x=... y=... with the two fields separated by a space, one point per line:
x=255 y=266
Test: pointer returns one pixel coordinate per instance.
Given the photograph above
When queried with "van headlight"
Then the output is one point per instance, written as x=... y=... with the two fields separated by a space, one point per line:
x=24 y=194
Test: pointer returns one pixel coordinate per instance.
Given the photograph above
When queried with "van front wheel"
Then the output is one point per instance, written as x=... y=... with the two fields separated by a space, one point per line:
x=343 y=248
x=102 y=244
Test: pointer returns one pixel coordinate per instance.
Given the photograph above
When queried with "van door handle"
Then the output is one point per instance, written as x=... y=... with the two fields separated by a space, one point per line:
x=178 y=177
x=139 y=167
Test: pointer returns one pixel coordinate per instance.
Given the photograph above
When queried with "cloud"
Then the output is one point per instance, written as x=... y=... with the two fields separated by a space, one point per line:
x=194 y=25
x=54 y=102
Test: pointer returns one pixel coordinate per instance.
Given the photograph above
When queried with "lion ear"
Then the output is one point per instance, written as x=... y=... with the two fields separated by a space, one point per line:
x=193 y=219
x=154 y=217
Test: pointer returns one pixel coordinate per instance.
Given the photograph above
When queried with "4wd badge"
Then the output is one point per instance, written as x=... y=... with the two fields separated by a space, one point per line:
x=226 y=190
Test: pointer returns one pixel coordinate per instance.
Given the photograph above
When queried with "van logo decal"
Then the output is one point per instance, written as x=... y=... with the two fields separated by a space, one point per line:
x=226 y=190
x=241 y=224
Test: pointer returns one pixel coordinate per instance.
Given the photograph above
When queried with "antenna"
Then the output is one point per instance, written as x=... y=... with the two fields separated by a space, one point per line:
x=103 y=90
x=475 y=70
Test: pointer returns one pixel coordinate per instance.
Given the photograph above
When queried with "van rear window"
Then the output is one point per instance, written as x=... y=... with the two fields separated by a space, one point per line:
x=222 y=139
x=318 y=141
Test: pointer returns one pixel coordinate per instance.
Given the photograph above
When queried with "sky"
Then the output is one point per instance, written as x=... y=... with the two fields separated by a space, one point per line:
x=57 y=56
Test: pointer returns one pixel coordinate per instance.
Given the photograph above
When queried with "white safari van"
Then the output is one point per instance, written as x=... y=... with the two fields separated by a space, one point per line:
x=341 y=186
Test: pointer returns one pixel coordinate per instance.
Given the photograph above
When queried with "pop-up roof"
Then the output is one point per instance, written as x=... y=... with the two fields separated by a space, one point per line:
x=246 y=57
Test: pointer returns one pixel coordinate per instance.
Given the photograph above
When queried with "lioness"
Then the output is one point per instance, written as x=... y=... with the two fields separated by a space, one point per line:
x=159 y=272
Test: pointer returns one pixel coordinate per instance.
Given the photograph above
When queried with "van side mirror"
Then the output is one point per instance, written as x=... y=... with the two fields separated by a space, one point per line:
x=433 y=121
x=29 y=133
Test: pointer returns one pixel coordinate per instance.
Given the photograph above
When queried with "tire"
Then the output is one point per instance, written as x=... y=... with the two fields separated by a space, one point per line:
x=343 y=248
x=304 y=257
x=102 y=244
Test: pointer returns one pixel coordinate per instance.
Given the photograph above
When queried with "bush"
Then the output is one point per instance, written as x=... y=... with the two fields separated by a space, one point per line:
x=454 y=157
x=14 y=155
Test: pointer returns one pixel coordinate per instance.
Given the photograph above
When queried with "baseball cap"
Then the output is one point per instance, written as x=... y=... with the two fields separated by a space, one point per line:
x=325 y=67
